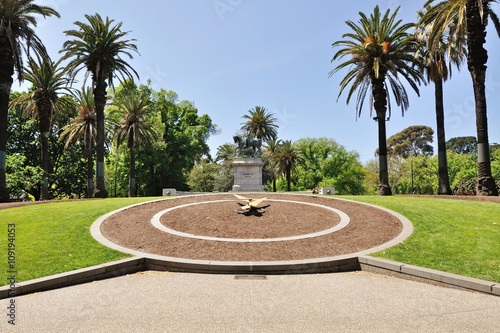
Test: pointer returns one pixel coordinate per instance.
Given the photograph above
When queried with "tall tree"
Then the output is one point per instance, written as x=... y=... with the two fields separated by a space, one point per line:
x=381 y=52
x=260 y=123
x=289 y=157
x=437 y=64
x=133 y=127
x=462 y=145
x=83 y=125
x=271 y=152
x=329 y=164
x=224 y=179
x=16 y=36
x=412 y=141
x=471 y=17
x=43 y=103
x=97 y=48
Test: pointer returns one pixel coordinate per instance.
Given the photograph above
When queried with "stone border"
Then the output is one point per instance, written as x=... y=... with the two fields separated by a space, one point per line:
x=344 y=221
x=346 y=264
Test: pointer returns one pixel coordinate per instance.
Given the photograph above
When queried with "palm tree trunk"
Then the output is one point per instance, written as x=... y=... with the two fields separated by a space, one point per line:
x=131 y=185
x=4 y=107
x=6 y=72
x=44 y=192
x=477 y=57
x=288 y=179
x=44 y=127
x=380 y=104
x=100 y=101
x=444 y=181
x=90 y=163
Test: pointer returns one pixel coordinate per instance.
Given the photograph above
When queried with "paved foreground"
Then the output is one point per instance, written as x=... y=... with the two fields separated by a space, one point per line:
x=176 y=302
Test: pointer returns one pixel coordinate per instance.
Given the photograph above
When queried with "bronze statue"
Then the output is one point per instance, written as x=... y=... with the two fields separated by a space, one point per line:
x=246 y=143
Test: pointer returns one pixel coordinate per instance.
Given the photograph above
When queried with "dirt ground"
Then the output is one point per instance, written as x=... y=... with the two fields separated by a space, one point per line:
x=368 y=227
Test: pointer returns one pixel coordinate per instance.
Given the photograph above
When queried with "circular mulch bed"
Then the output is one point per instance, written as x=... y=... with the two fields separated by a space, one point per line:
x=368 y=227
x=219 y=219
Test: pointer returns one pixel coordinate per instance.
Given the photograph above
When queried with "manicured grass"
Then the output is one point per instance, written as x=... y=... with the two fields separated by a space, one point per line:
x=455 y=236
x=53 y=238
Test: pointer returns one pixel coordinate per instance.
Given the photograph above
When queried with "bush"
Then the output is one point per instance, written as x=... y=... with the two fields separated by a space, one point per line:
x=465 y=187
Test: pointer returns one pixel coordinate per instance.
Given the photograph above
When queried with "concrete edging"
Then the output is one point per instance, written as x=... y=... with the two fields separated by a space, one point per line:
x=340 y=264
x=443 y=278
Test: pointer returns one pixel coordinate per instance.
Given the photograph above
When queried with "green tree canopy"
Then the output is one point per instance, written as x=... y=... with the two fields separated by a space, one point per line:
x=260 y=123
x=414 y=140
x=462 y=145
x=328 y=164
x=182 y=141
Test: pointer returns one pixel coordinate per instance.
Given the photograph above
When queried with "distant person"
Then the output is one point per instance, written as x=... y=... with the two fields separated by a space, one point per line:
x=23 y=196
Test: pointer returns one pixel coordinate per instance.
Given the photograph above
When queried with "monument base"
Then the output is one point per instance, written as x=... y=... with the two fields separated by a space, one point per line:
x=248 y=174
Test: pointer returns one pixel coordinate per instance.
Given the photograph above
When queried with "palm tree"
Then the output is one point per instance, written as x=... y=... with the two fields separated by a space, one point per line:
x=471 y=17
x=16 y=36
x=271 y=150
x=97 y=48
x=438 y=70
x=84 y=125
x=44 y=103
x=225 y=152
x=381 y=51
x=133 y=128
x=260 y=124
x=289 y=157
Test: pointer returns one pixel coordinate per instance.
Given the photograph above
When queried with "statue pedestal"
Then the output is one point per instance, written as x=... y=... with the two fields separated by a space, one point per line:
x=248 y=174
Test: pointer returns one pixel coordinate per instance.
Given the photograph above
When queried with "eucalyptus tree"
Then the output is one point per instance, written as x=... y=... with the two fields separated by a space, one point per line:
x=17 y=19
x=380 y=51
x=83 y=125
x=260 y=123
x=437 y=64
x=133 y=127
x=44 y=103
x=97 y=47
x=470 y=18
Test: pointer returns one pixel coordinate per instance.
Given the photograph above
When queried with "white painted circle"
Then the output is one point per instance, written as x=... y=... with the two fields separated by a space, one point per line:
x=344 y=221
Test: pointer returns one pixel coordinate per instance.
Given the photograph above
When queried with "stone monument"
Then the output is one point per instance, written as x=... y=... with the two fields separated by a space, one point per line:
x=247 y=170
x=248 y=174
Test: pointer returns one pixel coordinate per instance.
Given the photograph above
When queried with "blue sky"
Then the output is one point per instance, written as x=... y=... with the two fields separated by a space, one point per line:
x=228 y=56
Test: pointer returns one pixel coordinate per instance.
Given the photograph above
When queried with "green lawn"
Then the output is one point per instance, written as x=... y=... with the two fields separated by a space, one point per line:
x=455 y=236
x=53 y=238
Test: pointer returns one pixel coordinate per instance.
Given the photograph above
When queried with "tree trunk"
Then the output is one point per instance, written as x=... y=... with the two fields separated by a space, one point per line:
x=477 y=57
x=380 y=104
x=4 y=107
x=44 y=123
x=288 y=179
x=131 y=185
x=100 y=102
x=6 y=72
x=444 y=181
x=90 y=163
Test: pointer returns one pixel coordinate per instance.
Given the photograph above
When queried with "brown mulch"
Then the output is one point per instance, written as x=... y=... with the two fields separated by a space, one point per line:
x=457 y=197
x=368 y=227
